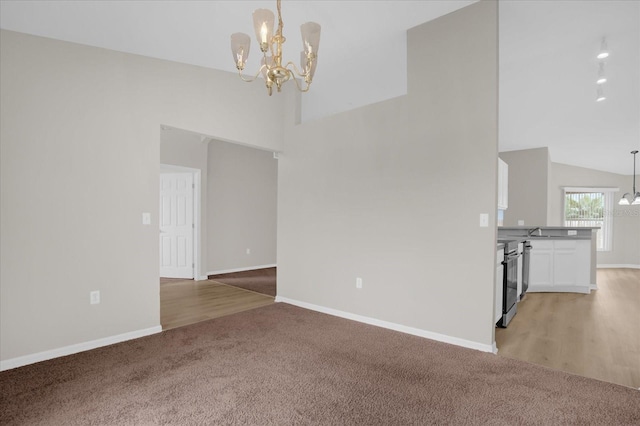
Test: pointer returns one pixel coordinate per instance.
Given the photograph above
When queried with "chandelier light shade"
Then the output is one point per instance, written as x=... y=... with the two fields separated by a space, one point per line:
x=634 y=197
x=271 y=68
x=240 y=44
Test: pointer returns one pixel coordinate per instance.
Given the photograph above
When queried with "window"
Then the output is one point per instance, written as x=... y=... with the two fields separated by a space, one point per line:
x=591 y=207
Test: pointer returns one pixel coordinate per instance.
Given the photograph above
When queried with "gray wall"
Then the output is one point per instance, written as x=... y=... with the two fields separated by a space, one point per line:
x=392 y=192
x=365 y=193
x=242 y=206
x=528 y=175
x=626 y=219
x=79 y=164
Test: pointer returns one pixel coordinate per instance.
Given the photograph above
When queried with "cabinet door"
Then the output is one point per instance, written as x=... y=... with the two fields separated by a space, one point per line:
x=565 y=263
x=503 y=185
x=541 y=265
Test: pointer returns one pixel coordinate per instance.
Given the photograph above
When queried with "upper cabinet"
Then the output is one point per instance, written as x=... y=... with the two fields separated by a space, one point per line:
x=503 y=185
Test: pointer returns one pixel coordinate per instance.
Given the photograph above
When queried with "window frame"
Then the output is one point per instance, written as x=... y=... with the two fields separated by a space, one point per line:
x=607 y=226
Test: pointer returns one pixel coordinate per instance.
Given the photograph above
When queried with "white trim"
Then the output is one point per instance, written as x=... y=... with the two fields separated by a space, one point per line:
x=494 y=348
x=589 y=189
x=584 y=289
x=247 y=268
x=617 y=265
x=390 y=325
x=78 y=347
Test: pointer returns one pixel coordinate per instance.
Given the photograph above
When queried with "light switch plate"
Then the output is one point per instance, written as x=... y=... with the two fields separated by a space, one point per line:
x=146 y=218
x=484 y=220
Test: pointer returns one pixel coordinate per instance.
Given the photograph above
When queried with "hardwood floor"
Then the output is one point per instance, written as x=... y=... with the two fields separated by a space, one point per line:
x=184 y=302
x=595 y=335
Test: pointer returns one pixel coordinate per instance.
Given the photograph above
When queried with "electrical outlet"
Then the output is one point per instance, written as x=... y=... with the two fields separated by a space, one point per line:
x=94 y=297
x=520 y=222
x=572 y=232
x=484 y=220
x=146 y=218
x=248 y=251
x=358 y=282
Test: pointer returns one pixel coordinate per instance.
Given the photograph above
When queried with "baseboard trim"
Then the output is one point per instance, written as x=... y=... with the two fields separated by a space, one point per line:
x=248 y=268
x=629 y=266
x=73 y=349
x=390 y=325
x=582 y=289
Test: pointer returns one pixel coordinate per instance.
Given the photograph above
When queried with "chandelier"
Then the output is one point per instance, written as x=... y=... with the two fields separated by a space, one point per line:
x=635 y=196
x=272 y=70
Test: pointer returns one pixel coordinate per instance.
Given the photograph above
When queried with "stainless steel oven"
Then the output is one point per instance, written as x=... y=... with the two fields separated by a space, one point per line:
x=510 y=283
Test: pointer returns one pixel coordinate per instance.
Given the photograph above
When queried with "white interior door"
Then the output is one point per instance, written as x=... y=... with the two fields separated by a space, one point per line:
x=176 y=225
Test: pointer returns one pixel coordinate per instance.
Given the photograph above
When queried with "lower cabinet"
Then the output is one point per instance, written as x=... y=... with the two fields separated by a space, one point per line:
x=560 y=266
x=497 y=312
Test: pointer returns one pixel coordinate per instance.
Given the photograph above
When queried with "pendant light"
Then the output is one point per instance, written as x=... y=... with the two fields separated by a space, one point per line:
x=272 y=68
x=635 y=196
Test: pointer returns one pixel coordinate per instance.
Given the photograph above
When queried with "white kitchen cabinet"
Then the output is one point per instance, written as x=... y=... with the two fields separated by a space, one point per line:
x=503 y=185
x=560 y=266
x=499 y=285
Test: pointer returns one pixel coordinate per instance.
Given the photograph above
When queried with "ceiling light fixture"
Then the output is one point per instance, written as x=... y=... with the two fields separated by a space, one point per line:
x=624 y=201
x=271 y=66
x=602 y=78
x=604 y=51
x=600 y=95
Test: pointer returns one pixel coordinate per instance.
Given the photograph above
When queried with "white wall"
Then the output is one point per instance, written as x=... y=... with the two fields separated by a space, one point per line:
x=79 y=164
x=392 y=192
x=242 y=207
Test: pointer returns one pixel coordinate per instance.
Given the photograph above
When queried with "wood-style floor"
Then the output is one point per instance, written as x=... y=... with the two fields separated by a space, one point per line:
x=184 y=302
x=595 y=335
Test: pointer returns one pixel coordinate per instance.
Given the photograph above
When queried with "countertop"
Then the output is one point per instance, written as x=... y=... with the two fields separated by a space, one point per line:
x=524 y=228
x=521 y=238
x=542 y=233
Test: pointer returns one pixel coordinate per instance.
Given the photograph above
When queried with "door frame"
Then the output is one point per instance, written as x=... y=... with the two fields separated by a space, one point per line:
x=170 y=168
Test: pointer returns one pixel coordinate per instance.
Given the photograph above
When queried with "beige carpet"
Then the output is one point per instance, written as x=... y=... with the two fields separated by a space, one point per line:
x=282 y=365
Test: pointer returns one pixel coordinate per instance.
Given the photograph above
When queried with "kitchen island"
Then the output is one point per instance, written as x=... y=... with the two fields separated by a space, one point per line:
x=563 y=259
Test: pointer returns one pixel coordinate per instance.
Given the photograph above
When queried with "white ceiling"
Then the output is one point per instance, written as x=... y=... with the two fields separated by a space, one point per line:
x=547 y=57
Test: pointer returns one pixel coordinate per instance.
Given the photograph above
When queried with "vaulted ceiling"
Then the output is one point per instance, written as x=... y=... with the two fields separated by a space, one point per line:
x=547 y=57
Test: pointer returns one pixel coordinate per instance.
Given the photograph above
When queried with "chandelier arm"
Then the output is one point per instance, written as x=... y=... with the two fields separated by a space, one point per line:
x=251 y=80
x=295 y=80
x=297 y=71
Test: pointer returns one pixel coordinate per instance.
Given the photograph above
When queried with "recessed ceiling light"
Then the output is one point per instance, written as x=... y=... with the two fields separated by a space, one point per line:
x=602 y=78
x=604 y=51
x=600 y=95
